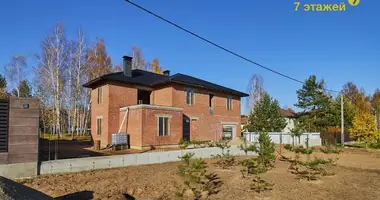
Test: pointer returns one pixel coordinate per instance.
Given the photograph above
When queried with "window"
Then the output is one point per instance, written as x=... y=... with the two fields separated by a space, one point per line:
x=227 y=133
x=100 y=95
x=229 y=103
x=189 y=96
x=143 y=97
x=163 y=126
x=98 y=126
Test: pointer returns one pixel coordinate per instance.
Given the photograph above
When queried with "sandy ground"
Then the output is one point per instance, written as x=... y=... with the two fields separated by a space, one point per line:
x=358 y=177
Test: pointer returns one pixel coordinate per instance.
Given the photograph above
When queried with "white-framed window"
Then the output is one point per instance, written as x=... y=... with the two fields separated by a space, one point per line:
x=163 y=126
x=228 y=132
x=99 y=125
x=189 y=96
x=100 y=95
x=229 y=103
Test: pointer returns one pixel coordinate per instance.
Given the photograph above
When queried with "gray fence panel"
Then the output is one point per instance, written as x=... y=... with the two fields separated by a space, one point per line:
x=286 y=138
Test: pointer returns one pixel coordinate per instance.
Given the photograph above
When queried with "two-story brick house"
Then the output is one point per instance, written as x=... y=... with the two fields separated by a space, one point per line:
x=159 y=110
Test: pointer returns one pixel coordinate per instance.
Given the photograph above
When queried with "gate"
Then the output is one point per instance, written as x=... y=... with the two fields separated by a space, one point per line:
x=4 y=115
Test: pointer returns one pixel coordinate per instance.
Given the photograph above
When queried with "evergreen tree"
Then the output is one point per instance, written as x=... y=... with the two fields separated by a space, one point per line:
x=25 y=89
x=3 y=87
x=334 y=115
x=266 y=151
x=266 y=116
x=297 y=130
x=315 y=103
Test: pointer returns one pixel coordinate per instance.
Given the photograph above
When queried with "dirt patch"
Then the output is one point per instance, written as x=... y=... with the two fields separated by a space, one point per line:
x=358 y=177
x=80 y=148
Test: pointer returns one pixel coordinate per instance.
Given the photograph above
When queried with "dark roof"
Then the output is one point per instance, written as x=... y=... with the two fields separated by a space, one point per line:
x=145 y=78
x=289 y=113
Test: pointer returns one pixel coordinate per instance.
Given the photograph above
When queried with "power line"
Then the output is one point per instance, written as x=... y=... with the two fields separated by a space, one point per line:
x=220 y=46
x=213 y=43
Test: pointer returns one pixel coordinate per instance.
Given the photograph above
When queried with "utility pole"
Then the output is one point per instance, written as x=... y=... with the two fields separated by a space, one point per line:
x=342 y=120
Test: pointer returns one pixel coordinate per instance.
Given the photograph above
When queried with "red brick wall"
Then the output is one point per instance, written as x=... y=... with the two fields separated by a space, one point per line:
x=114 y=97
x=141 y=124
x=120 y=96
x=150 y=127
x=100 y=110
x=163 y=97
x=132 y=125
x=205 y=126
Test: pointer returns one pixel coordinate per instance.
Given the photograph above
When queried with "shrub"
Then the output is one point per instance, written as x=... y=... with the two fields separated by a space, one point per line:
x=312 y=170
x=260 y=185
x=250 y=167
x=247 y=148
x=329 y=150
x=222 y=144
x=186 y=158
x=183 y=144
x=226 y=160
x=288 y=147
x=196 y=178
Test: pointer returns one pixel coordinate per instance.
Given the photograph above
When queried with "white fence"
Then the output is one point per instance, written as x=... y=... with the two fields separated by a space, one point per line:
x=104 y=162
x=314 y=139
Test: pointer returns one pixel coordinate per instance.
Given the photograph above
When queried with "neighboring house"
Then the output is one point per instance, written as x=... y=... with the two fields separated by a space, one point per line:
x=289 y=115
x=160 y=110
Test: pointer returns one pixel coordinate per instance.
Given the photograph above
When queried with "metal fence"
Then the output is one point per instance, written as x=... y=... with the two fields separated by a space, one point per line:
x=313 y=139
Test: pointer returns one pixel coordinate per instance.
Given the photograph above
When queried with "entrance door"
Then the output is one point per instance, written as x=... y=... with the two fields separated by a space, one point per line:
x=186 y=128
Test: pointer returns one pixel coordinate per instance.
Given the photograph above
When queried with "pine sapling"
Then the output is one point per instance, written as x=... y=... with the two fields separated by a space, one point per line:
x=196 y=178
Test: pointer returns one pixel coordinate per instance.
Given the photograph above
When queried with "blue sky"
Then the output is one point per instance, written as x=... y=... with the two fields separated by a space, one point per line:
x=336 y=46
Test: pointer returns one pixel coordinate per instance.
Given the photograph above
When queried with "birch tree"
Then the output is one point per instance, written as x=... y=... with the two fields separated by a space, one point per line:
x=79 y=64
x=14 y=71
x=256 y=91
x=51 y=68
x=138 y=61
x=375 y=101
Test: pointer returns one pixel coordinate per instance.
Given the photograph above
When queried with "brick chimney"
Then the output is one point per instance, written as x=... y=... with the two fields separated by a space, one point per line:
x=127 y=66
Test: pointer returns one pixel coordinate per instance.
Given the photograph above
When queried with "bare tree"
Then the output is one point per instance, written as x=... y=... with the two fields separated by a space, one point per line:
x=74 y=77
x=138 y=61
x=52 y=65
x=255 y=90
x=14 y=71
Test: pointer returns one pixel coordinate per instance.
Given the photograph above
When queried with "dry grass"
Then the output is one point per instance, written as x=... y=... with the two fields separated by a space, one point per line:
x=358 y=177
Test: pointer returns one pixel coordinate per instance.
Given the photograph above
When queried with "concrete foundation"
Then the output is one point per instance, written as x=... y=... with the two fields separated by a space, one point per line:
x=105 y=162
x=19 y=170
